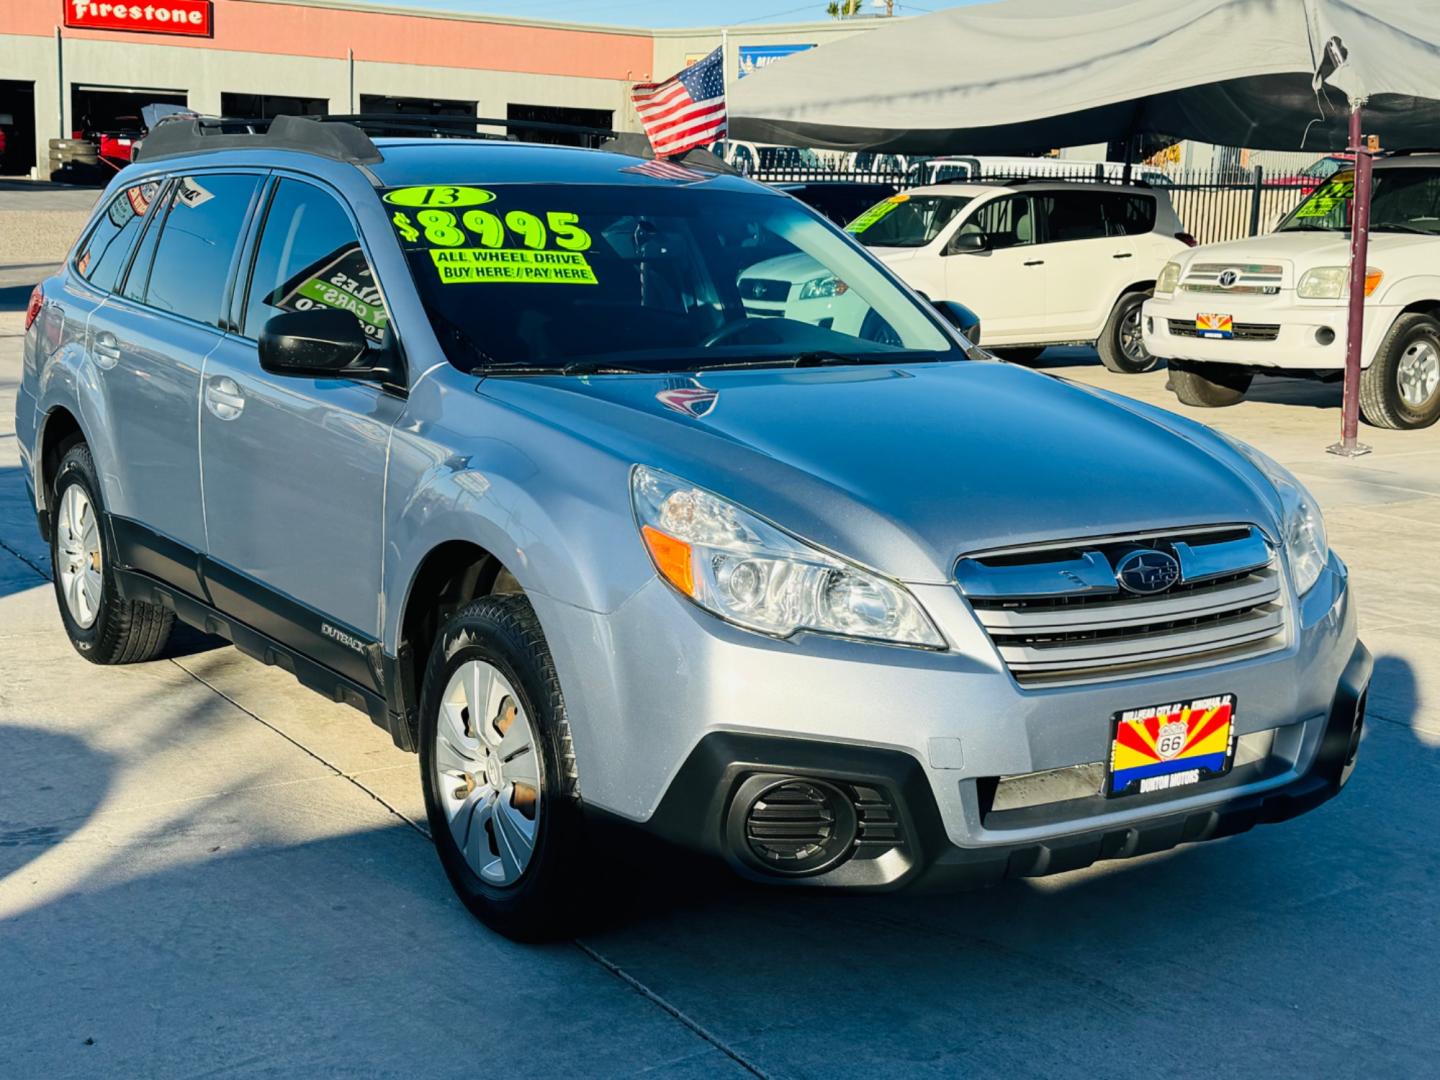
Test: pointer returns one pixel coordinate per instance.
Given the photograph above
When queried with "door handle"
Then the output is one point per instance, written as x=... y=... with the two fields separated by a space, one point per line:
x=223 y=398
x=1036 y=262
x=1122 y=255
x=106 y=348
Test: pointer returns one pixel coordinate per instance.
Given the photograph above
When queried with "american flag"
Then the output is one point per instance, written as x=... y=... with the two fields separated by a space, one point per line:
x=686 y=110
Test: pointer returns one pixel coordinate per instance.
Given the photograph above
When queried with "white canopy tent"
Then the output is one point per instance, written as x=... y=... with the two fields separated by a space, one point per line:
x=1034 y=74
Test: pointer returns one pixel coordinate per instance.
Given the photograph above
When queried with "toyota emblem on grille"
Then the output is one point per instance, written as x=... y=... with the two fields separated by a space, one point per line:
x=1147 y=571
x=1228 y=278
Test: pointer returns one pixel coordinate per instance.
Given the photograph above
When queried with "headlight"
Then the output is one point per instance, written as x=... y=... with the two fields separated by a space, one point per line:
x=1333 y=282
x=1302 y=525
x=747 y=571
x=822 y=287
x=1169 y=278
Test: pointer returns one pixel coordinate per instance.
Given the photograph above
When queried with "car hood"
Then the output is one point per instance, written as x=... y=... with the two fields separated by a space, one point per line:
x=1303 y=249
x=794 y=267
x=907 y=468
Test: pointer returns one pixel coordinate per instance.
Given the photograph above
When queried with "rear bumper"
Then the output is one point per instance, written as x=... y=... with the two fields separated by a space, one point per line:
x=907 y=844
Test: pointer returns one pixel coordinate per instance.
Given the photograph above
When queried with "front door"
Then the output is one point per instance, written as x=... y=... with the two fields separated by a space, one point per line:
x=1004 y=282
x=294 y=468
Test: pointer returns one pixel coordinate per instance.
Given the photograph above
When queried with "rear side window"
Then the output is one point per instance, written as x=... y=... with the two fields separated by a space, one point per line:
x=309 y=257
x=1129 y=215
x=1072 y=215
x=197 y=244
x=103 y=255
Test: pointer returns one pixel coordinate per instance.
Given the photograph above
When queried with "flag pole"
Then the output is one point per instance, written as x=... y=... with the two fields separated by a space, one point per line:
x=1349 y=444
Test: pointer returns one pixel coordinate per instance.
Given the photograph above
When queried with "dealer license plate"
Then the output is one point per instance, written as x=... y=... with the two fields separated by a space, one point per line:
x=1171 y=746
x=1215 y=326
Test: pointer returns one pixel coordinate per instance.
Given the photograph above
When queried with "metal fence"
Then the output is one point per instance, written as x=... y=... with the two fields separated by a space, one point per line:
x=1213 y=205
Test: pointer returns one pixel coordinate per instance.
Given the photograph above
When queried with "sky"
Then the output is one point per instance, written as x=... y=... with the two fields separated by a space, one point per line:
x=665 y=13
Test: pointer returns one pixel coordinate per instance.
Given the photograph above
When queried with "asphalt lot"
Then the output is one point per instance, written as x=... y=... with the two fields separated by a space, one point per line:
x=206 y=869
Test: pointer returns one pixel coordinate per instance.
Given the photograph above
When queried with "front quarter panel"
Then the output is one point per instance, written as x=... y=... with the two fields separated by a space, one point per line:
x=553 y=508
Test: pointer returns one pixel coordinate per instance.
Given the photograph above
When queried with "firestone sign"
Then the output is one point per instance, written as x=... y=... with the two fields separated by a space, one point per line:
x=193 y=18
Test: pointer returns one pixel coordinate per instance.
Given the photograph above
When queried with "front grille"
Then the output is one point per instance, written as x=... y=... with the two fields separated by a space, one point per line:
x=1254 y=278
x=1239 y=332
x=1057 y=615
x=765 y=289
x=763 y=313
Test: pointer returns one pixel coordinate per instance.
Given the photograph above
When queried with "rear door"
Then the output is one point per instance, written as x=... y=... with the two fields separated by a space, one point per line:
x=150 y=341
x=1005 y=282
x=294 y=468
x=1085 y=266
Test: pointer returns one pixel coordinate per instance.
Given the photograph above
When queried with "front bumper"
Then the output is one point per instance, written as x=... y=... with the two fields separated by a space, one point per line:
x=705 y=806
x=1297 y=324
x=672 y=710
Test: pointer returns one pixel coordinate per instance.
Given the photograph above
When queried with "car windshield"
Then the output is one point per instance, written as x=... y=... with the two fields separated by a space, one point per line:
x=1404 y=200
x=539 y=278
x=906 y=220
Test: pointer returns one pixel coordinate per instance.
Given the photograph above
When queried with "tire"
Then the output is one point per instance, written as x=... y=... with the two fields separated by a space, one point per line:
x=1120 y=346
x=1219 y=386
x=1019 y=356
x=1401 y=387
x=531 y=900
x=103 y=627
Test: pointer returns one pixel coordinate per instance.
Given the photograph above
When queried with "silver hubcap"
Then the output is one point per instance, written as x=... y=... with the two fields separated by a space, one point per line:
x=81 y=565
x=1419 y=373
x=1132 y=344
x=488 y=772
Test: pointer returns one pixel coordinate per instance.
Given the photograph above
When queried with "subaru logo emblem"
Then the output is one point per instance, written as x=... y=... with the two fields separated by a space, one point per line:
x=1147 y=571
x=1228 y=278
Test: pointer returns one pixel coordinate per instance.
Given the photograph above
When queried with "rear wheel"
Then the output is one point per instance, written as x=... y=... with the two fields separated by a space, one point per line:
x=1401 y=387
x=501 y=792
x=1019 y=356
x=103 y=627
x=1121 y=346
x=1209 y=386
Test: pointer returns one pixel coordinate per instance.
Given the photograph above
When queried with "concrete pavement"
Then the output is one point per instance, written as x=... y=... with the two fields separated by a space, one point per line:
x=206 y=869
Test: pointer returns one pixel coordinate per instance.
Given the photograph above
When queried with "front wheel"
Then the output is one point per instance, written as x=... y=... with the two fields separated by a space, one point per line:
x=1121 y=345
x=1401 y=387
x=1209 y=386
x=501 y=791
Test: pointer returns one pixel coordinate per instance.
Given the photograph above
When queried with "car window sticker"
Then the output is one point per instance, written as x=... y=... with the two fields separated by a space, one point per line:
x=875 y=213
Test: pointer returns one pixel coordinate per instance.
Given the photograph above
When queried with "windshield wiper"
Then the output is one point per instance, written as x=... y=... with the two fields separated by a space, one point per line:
x=816 y=358
x=1307 y=227
x=576 y=367
x=1400 y=228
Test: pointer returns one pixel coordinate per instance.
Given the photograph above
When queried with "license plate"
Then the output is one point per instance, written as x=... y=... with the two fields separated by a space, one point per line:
x=1164 y=747
x=1215 y=326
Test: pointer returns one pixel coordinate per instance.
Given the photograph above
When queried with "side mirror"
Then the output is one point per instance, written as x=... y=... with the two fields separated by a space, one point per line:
x=969 y=243
x=960 y=317
x=320 y=343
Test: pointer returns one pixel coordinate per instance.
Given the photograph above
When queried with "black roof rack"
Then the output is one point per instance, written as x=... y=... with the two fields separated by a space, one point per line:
x=189 y=135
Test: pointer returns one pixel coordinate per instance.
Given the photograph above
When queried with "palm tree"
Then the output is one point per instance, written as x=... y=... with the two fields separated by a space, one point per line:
x=842 y=9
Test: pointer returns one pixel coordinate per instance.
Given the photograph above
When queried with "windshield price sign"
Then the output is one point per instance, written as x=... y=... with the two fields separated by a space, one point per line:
x=469 y=246
x=1338 y=190
x=875 y=213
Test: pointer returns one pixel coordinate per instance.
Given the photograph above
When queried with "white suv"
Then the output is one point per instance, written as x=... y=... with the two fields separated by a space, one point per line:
x=1279 y=304
x=1042 y=262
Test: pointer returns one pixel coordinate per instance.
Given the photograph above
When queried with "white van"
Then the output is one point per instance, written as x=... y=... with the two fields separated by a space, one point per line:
x=1042 y=262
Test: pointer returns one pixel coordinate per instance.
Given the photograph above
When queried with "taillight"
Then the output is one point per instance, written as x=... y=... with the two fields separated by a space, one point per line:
x=32 y=310
x=1186 y=239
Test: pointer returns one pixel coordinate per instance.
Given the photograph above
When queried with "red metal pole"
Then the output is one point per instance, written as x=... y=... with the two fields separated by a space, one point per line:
x=1348 y=446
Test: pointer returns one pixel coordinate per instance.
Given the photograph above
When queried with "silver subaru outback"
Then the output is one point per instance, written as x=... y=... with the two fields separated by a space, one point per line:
x=519 y=450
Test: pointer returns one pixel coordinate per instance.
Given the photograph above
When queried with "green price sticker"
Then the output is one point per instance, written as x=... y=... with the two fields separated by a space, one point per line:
x=1325 y=200
x=439 y=196
x=871 y=216
x=467 y=266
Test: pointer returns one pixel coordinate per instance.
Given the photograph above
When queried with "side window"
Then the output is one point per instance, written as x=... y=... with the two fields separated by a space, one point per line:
x=1129 y=215
x=138 y=276
x=310 y=256
x=1072 y=215
x=1006 y=222
x=103 y=255
x=197 y=244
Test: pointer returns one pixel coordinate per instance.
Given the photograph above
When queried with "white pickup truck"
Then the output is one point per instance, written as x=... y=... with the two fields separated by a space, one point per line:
x=1278 y=304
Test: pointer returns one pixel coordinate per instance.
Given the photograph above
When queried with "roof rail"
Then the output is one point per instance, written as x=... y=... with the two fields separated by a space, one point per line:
x=451 y=126
x=341 y=142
